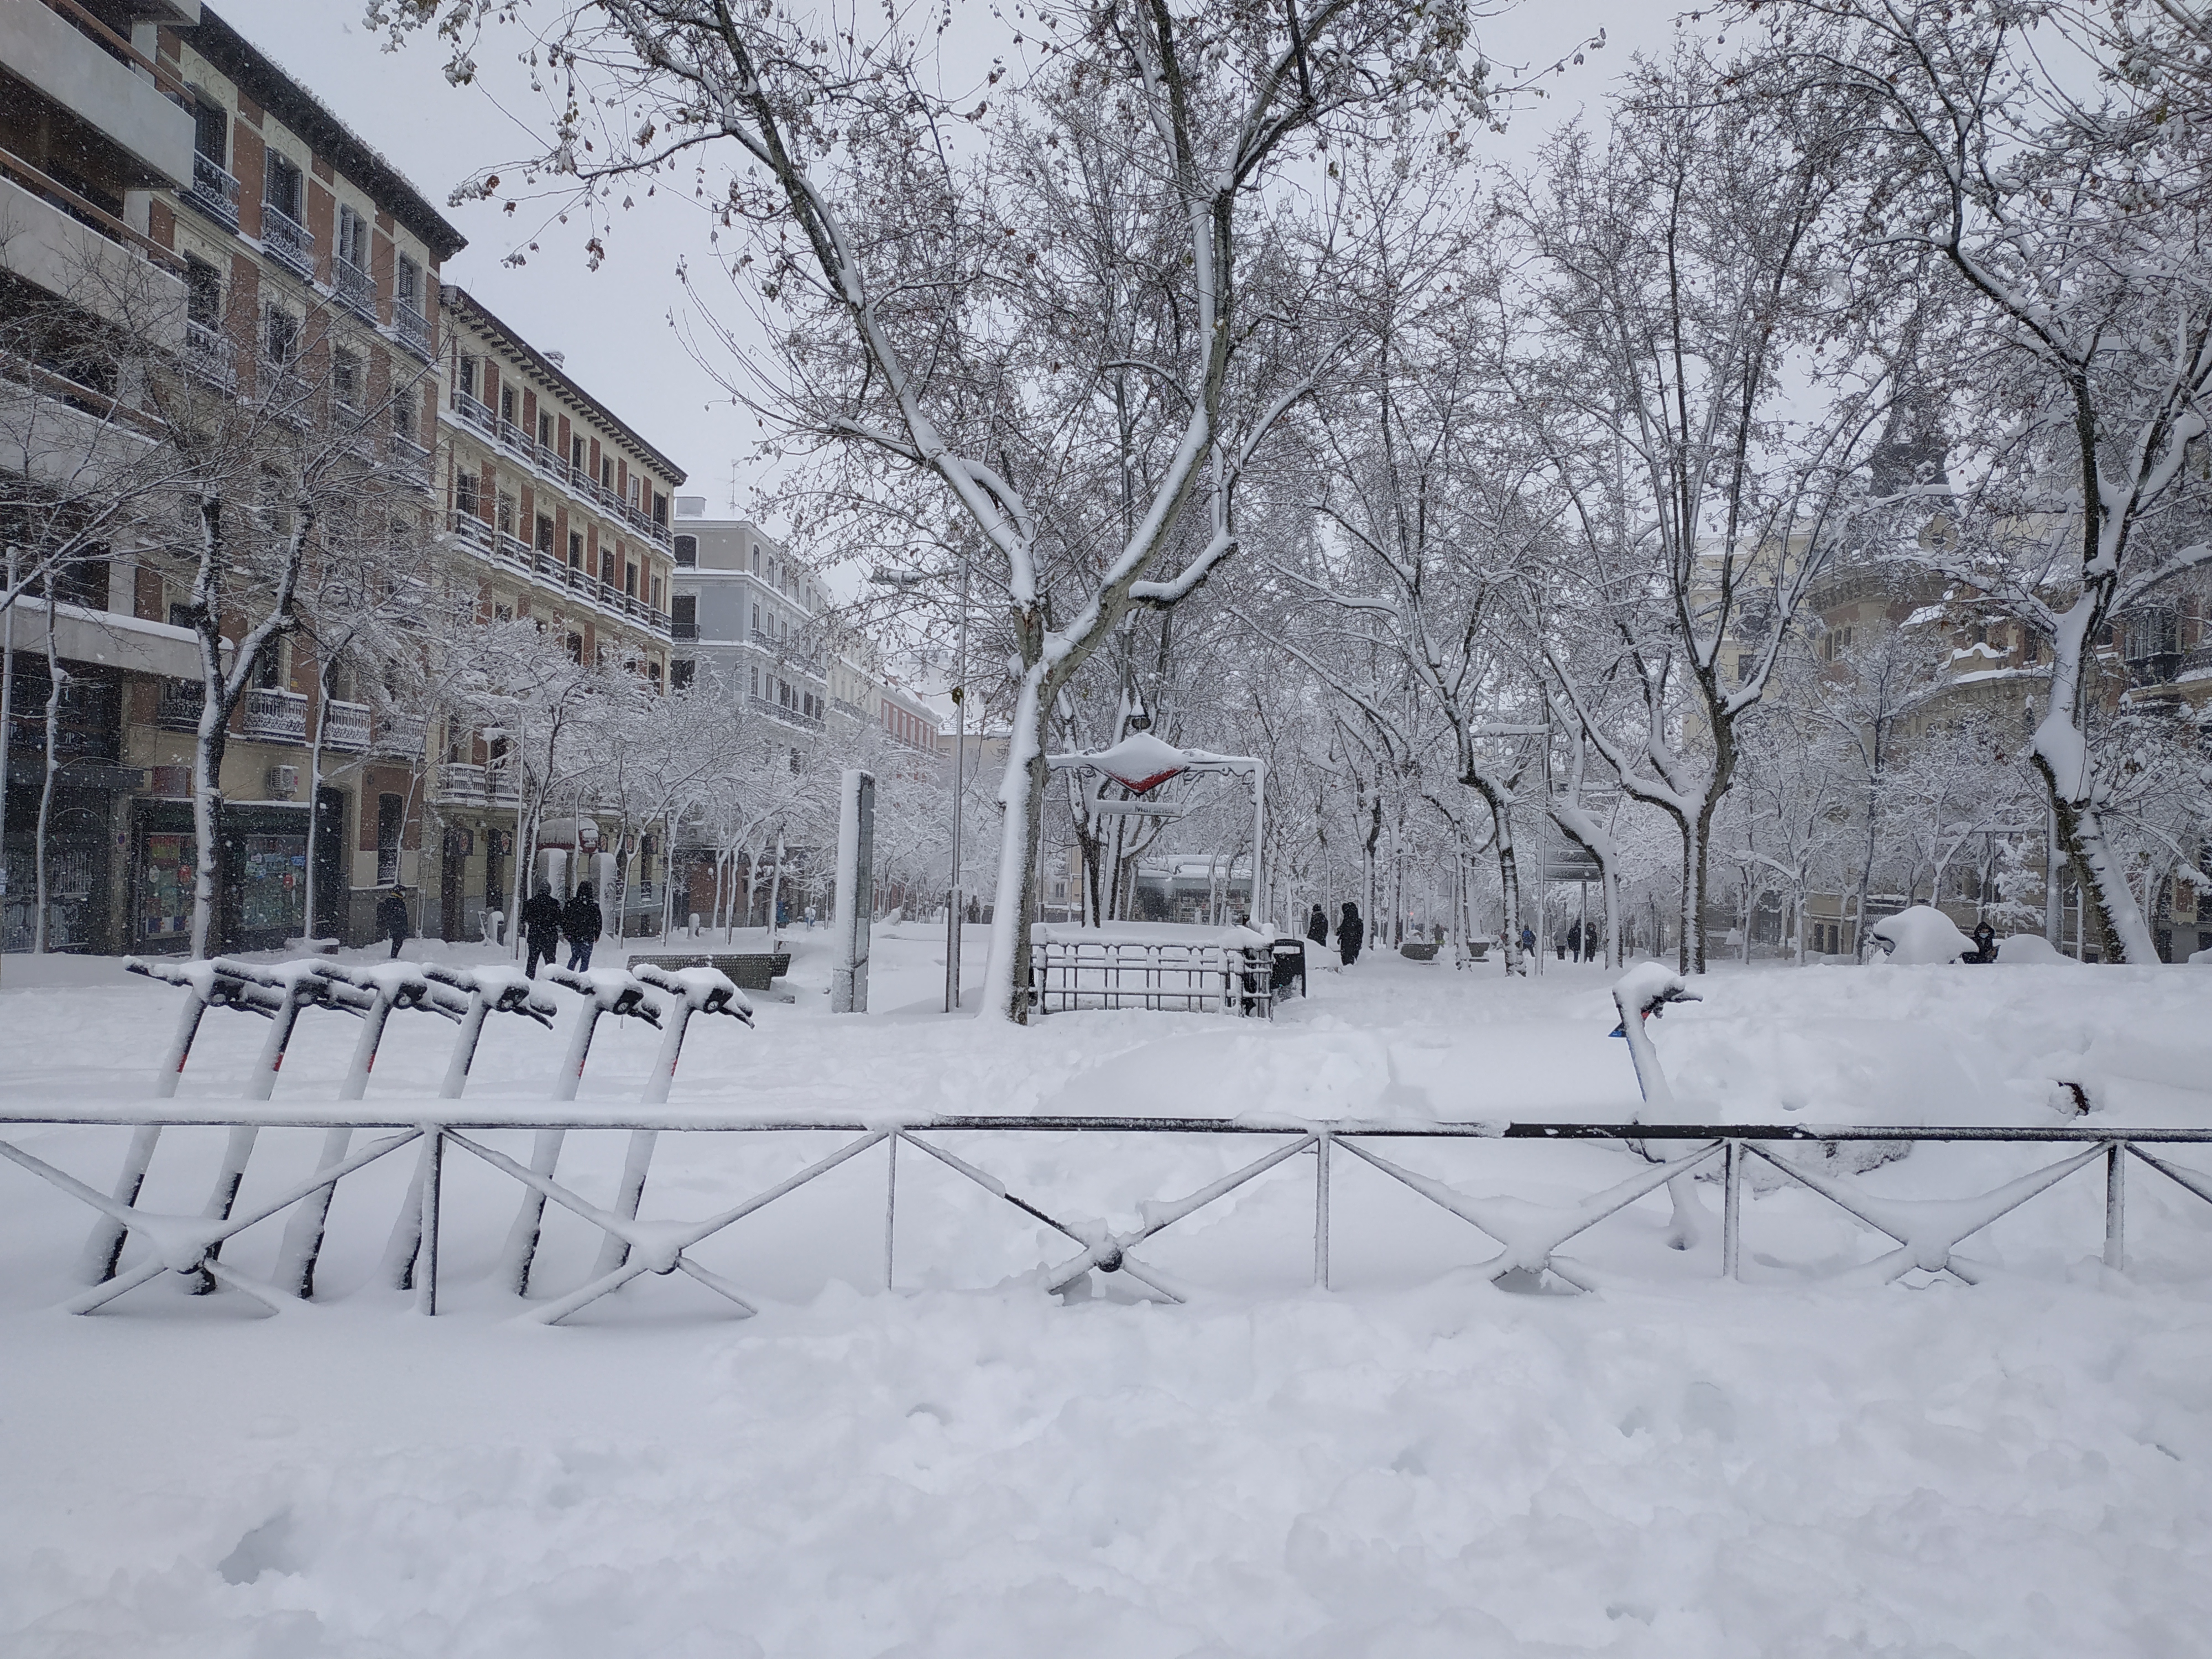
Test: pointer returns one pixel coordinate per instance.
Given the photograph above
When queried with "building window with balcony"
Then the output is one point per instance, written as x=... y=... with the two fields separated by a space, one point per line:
x=282 y=211
x=684 y=622
x=607 y=474
x=546 y=432
x=576 y=456
x=345 y=378
x=281 y=337
x=506 y=513
x=407 y=284
x=269 y=667
x=658 y=602
x=465 y=382
x=203 y=294
x=630 y=580
x=403 y=419
x=212 y=132
x=545 y=534
x=350 y=269
x=507 y=404
x=576 y=549
x=660 y=509
x=468 y=495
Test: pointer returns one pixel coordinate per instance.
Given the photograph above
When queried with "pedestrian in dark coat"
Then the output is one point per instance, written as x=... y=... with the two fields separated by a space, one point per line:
x=1317 y=926
x=1528 y=941
x=580 y=921
x=1351 y=933
x=541 y=926
x=391 y=920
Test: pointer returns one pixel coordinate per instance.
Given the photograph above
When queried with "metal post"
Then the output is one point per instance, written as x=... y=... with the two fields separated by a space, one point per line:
x=959 y=784
x=890 y=1202
x=7 y=708
x=1323 y=1142
x=2116 y=1207
x=1732 y=1209
x=426 y=1262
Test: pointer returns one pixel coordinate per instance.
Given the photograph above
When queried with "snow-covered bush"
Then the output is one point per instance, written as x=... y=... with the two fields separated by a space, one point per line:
x=1920 y=937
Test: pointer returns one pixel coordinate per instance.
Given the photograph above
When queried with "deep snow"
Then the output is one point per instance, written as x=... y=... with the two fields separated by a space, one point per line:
x=1412 y=1462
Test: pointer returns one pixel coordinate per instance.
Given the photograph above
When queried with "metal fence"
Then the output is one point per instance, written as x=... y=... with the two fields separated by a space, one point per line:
x=1530 y=1237
x=1198 y=977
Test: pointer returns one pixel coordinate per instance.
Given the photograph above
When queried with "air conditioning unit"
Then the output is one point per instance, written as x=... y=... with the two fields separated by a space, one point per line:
x=284 y=783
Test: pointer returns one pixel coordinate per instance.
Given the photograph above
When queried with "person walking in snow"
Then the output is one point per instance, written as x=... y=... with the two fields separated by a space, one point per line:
x=1317 y=926
x=1574 y=941
x=1350 y=933
x=581 y=920
x=1528 y=941
x=391 y=919
x=541 y=925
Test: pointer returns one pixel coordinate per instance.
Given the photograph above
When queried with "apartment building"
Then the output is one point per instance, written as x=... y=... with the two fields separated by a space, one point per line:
x=745 y=609
x=148 y=151
x=554 y=510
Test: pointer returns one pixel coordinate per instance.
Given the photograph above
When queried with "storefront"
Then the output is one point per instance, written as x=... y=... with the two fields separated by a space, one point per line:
x=263 y=901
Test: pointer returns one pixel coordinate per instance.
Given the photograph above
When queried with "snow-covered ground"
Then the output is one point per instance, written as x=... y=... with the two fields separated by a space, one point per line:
x=1411 y=1463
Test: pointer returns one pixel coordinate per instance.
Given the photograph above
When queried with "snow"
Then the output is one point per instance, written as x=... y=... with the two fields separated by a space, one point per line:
x=1140 y=761
x=1412 y=1462
x=2019 y=948
x=1921 y=936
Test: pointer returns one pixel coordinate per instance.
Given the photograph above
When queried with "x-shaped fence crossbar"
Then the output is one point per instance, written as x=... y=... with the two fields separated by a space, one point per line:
x=1530 y=1235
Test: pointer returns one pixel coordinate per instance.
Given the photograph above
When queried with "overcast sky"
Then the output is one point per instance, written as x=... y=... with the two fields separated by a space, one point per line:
x=613 y=324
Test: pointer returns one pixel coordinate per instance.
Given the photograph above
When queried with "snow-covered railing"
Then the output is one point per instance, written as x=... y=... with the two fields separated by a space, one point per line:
x=1180 y=969
x=1530 y=1237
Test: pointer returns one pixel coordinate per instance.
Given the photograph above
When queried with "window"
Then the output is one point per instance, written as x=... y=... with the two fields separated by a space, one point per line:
x=576 y=549
x=506 y=513
x=407 y=284
x=576 y=648
x=281 y=189
x=345 y=378
x=653 y=673
x=660 y=509
x=684 y=621
x=687 y=549
x=403 y=419
x=756 y=563
x=468 y=380
x=544 y=431
x=681 y=674
x=211 y=133
x=203 y=294
x=630 y=580
x=468 y=495
x=756 y=627
x=269 y=667
x=282 y=336
x=545 y=534
x=755 y=679
x=576 y=455
x=353 y=239
x=607 y=474
x=657 y=602
x=507 y=404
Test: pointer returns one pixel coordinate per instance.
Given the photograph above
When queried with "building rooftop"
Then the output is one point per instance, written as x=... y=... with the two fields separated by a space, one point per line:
x=266 y=82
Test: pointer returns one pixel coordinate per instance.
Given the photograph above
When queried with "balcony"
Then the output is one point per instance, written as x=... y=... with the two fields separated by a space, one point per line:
x=474 y=531
x=678 y=629
x=789 y=716
x=514 y=439
x=81 y=62
x=345 y=725
x=210 y=356
x=398 y=735
x=275 y=715
x=286 y=240
x=459 y=782
x=515 y=550
x=410 y=461
x=356 y=288
x=476 y=413
x=214 y=191
x=178 y=708
x=413 y=329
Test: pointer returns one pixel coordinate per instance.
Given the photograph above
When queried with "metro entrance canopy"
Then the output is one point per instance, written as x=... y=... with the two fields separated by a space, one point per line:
x=1140 y=763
